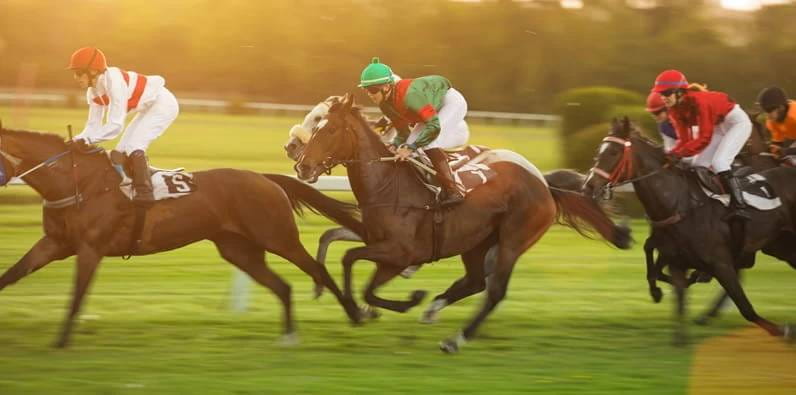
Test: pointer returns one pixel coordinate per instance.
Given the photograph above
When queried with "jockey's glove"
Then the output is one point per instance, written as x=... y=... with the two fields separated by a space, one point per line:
x=79 y=145
x=775 y=148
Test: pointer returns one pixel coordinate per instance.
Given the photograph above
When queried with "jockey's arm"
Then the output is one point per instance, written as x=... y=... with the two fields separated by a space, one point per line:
x=117 y=111
x=94 y=121
x=431 y=124
x=401 y=133
x=706 y=127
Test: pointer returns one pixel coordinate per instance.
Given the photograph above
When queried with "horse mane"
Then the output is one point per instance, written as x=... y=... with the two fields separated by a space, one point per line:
x=49 y=138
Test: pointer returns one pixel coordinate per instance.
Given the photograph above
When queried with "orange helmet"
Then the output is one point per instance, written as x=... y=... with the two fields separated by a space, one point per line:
x=655 y=102
x=88 y=58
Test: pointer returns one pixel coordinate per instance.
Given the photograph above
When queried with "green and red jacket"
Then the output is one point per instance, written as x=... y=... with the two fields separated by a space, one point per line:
x=416 y=100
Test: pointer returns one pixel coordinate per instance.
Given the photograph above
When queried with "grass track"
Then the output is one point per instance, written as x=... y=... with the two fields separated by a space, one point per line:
x=577 y=318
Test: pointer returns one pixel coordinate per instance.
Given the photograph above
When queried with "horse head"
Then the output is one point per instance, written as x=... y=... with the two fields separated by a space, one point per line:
x=616 y=160
x=300 y=134
x=332 y=141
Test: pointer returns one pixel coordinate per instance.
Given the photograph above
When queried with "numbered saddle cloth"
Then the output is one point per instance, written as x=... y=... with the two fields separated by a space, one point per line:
x=757 y=192
x=465 y=165
x=166 y=184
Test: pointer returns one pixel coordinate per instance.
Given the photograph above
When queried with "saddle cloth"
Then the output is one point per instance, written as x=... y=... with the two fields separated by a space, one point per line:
x=166 y=184
x=757 y=192
x=467 y=173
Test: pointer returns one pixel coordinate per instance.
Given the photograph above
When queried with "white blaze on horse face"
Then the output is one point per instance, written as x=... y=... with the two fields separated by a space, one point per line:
x=322 y=123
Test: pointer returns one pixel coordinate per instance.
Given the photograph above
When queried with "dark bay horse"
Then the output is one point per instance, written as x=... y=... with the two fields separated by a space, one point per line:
x=512 y=211
x=86 y=214
x=688 y=224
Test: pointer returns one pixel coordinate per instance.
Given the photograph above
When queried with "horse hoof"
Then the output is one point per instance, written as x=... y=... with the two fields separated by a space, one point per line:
x=368 y=312
x=449 y=346
x=61 y=344
x=428 y=317
x=317 y=291
x=418 y=296
x=702 y=320
x=288 y=340
x=787 y=333
x=656 y=294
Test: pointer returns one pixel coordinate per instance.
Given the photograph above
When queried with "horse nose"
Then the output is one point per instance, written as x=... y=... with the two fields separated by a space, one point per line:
x=302 y=169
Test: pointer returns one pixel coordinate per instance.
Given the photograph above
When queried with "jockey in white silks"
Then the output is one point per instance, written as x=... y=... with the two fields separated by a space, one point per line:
x=113 y=93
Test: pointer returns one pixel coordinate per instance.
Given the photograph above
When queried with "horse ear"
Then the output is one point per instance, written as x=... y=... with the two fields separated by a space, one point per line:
x=348 y=102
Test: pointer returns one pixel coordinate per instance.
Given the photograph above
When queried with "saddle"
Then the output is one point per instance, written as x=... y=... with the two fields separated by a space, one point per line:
x=166 y=183
x=465 y=165
x=757 y=192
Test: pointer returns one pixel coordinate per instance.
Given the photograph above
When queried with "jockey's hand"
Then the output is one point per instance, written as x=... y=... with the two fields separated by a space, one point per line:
x=391 y=148
x=672 y=159
x=403 y=152
x=382 y=125
x=78 y=145
x=776 y=149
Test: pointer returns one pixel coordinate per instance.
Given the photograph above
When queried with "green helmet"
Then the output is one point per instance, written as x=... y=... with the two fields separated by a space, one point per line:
x=376 y=73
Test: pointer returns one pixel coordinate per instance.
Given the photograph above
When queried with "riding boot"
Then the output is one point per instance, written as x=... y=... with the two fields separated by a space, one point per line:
x=737 y=205
x=141 y=179
x=450 y=191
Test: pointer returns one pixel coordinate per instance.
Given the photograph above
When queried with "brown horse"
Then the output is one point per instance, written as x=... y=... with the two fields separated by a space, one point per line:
x=86 y=214
x=513 y=210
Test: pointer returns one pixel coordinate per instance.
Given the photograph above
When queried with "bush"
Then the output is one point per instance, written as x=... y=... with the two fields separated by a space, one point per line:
x=582 y=107
x=581 y=148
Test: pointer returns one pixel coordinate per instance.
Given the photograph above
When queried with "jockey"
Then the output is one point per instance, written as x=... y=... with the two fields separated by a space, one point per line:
x=436 y=109
x=112 y=93
x=710 y=126
x=657 y=109
x=781 y=117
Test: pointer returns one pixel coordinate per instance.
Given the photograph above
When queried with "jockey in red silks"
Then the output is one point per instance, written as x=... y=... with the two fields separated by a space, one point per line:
x=433 y=106
x=112 y=93
x=710 y=127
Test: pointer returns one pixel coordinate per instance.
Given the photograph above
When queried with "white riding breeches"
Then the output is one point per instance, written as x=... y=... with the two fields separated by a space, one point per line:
x=727 y=141
x=454 y=131
x=149 y=123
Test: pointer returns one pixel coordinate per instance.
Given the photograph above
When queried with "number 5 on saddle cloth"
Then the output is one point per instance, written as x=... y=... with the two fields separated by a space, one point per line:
x=166 y=184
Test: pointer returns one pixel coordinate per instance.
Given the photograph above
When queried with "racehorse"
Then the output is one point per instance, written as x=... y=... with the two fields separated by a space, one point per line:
x=86 y=214
x=300 y=134
x=404 y=227
x=688 y=223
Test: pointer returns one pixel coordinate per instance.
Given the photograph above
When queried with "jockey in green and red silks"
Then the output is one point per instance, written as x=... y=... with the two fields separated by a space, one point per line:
x=427 y=112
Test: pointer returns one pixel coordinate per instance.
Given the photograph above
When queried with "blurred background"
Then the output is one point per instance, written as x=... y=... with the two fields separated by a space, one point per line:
x=577 y=318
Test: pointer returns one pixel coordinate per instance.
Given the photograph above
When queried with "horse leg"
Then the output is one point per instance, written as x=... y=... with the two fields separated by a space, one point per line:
x=387 y=261
x=87 y=261
x=471 y=283
x=653 y=270
x=380 y=252
x=250 y=258
x=728 y=279
x=718 y=303
x=679 y=284
x=383 y=274
x=300 y=257
x=45 y=251
x=333 y=235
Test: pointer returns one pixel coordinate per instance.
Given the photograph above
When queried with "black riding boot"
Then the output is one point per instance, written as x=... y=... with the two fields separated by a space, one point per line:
x=737 y=205
x=141 y=182
x=450 y=191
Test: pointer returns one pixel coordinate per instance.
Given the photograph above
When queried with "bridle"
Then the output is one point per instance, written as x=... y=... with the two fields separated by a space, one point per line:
x=16 y=162
x=623 y=170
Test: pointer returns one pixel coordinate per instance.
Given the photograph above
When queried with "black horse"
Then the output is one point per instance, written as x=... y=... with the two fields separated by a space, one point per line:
x=513 y=210
x=688 y=223
x=86 y=214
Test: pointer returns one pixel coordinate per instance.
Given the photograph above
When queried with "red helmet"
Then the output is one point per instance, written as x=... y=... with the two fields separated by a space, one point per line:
x=88 y=58
x=670 y=79
x=655 y=102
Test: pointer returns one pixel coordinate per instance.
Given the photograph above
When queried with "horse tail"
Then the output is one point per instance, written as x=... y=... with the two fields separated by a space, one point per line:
x=303 y=195
x=583 y=213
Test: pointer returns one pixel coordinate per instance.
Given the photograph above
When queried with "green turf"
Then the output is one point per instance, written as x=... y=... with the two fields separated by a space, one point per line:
x=577 y=318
